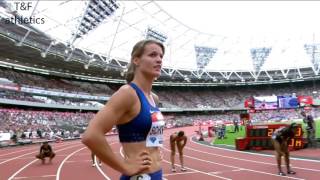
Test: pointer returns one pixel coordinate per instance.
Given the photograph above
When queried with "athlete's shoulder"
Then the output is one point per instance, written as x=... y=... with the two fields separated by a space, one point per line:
x=126 y=88
x=123 y=98
x=173 y=135
x=125 y=91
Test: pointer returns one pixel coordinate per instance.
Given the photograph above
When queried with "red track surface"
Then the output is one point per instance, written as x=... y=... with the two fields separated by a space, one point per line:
x=203 y=162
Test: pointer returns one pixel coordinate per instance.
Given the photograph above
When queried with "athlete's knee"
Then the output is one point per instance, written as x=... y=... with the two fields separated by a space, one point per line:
x=40 y=156
x=173 y=152
x=279 y=153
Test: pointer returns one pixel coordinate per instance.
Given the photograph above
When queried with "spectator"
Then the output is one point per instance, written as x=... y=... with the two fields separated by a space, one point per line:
x=308 y=119
x=236 y=125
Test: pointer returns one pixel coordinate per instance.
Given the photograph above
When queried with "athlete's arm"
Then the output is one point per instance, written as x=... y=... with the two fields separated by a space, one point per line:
x=49 y=148
x=41 y=149
x=184 y=141
x=111 y=114
x=172 y=138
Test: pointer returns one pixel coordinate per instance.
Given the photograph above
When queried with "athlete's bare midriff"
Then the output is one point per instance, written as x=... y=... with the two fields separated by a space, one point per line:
x=134 y=149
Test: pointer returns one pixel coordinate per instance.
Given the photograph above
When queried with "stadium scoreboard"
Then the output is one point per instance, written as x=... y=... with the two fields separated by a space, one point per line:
x=259 y=137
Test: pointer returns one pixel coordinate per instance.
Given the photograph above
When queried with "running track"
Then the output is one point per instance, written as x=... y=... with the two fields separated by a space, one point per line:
x=73 y=161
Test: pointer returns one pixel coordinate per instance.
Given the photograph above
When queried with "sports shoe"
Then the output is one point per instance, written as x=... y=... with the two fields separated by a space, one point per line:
x=183 y=169
x=291 y=172
x=173 y=170
x=93 y=165
x=100 y=164
x=281 y=173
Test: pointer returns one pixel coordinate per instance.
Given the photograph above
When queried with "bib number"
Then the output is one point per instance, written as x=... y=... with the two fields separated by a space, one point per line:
x=141 y=177
x=155 y=135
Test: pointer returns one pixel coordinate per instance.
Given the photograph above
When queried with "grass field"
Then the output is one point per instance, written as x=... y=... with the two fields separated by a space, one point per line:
x=230 y=136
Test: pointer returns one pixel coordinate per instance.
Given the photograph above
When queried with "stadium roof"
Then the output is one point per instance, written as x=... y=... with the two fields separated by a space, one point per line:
x=234 y=28
x=231 y=27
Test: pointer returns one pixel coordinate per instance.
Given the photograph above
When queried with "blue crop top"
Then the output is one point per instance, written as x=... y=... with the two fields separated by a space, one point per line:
x=138 y=128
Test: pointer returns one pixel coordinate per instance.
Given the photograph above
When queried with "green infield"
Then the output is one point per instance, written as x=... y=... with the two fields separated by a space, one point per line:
x=231 y=136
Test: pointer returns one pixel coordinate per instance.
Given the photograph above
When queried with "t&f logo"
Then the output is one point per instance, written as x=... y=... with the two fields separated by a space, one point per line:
x=23 y=6
x=16 y=7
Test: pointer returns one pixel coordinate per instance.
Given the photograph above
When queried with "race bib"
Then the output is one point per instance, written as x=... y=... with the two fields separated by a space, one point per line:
x=141 y=177
x=155 y=136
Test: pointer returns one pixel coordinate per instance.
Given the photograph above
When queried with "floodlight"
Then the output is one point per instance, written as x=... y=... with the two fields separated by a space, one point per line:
x=96 y=12
x=259 y=56
x=204 y=55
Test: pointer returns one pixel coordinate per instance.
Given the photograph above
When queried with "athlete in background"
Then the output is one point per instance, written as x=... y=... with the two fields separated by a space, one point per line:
x=180 y=140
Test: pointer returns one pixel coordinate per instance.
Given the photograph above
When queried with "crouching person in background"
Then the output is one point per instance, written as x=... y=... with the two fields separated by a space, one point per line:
x=45 y=151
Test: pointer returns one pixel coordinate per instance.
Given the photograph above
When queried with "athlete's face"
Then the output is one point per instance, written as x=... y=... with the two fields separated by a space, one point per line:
x=179 y=138
x=150 y=62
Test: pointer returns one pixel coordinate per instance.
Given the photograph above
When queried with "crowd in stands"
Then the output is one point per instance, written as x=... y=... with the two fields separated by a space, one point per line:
x=201 y=98
x=280 y=115
x=18 y=96
x=229 y=97
x=49 y=99
x=182 y=97
x=42 y=124
x=21 y=123
x=30 y=122
x=52 y=83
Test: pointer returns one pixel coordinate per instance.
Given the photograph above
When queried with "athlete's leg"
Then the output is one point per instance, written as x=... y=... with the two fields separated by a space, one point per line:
x=180 y=150
x=173 y=153
x=279 y=153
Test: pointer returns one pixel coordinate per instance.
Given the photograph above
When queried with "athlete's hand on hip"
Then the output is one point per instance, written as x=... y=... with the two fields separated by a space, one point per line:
x=135 y=165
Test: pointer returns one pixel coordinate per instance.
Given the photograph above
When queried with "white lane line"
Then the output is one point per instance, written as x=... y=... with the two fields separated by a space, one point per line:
x=99 y=168
x=24 y=167
x=236 y=170
x=21 y=169
x=259 y=162
x=78 y=161
x=32 y=148
x=296 y=167
x=220 y=172
x=17 y=157
x=31 y=177
x=64 y=160
x=172 y=174
x=121 y=152
x=251 y=153
x=201 y=172
x=261 y=172
x=18 y=151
